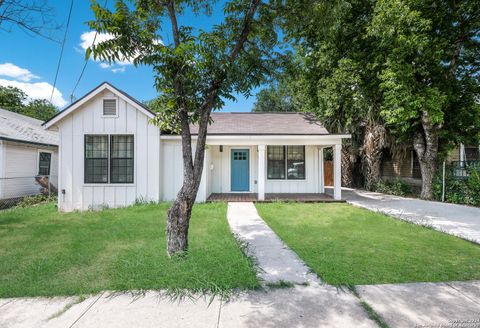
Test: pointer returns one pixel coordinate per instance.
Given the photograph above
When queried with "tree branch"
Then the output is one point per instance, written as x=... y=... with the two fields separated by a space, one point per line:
x=207 y=106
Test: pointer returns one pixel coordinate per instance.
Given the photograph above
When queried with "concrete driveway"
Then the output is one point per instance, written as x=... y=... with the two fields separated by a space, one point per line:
x=459 y=220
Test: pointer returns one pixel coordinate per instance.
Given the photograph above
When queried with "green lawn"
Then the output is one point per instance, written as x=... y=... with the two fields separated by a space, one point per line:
x=346 y=245
x=43 y=252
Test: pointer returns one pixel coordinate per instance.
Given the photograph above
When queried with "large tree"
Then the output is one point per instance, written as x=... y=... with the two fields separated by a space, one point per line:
x=193 y=73
x=430 y=71
x=336 y=79
x=15 y=100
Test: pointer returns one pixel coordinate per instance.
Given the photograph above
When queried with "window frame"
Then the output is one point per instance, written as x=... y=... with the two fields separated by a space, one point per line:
x=110 y=158
x=304 y=163
x=133 y=183
x=285 y=160
x=40 y=151
x=116 y=107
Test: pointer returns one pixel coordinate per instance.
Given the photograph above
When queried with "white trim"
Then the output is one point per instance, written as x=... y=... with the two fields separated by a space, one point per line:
x=39 y=150
x=337 y=172
x=110 y=184
x=255 y=140
x=261 y=159
x=91 y=95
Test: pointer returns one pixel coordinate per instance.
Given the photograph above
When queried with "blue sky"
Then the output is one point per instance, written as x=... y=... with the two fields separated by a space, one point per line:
x=29 y=62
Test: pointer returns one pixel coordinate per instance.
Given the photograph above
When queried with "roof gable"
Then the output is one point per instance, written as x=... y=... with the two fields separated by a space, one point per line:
x=90 y=95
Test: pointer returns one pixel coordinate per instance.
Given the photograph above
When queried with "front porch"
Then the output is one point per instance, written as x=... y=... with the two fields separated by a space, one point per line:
x=272 y=197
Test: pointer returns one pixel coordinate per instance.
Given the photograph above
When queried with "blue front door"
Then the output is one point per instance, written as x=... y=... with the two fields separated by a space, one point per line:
x=240 y=177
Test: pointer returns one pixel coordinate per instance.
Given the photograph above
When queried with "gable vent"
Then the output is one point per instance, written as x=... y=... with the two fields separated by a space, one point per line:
x=109 y=107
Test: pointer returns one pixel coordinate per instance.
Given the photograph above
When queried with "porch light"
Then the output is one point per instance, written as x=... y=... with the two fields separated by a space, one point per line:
x=221 y=148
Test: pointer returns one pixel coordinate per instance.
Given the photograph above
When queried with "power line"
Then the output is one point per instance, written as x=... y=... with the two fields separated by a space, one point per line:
x=61 y=51
x=86 y=62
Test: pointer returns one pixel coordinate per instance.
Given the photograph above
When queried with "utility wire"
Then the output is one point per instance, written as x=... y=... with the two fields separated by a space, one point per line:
x=86 y=63
x=61 y=51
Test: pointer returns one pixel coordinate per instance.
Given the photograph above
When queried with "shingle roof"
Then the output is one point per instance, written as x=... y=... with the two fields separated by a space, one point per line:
x=22 y=128
x=263 y=124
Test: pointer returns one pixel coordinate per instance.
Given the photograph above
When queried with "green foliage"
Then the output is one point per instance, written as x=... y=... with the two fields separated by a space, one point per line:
x=459 y=190
x=424 y=50
x=47 y=253
x=274 y=98
x=395 y=186
x=36 y=200
x=15 y=100
x=200 y=68
x=347 y=245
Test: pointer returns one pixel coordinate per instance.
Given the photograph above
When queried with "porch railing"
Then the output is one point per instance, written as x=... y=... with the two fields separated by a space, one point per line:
x=461 y=168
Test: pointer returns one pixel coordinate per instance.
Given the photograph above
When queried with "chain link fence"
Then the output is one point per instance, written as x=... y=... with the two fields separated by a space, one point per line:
x=13 y=190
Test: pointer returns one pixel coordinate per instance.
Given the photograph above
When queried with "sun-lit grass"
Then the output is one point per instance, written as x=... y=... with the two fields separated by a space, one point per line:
x=346 y=245
x=43 y=252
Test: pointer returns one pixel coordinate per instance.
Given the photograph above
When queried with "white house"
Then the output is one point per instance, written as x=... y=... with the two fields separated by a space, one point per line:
x=111 y=155
x=27 y=151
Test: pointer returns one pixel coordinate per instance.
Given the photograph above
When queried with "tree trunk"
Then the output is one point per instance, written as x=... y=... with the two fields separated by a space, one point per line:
x=425 y=143
x=348 y=165
x=373 y=144
x=177 y=225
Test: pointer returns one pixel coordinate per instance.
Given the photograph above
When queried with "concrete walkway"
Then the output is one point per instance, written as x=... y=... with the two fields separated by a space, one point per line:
x=457 y=220
x=302 y=306
x=453 y=304
x=276 y=262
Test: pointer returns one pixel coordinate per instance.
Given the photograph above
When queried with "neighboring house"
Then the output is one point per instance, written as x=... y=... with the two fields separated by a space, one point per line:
x=111 y=155
x=27 y=151
x=406 y=167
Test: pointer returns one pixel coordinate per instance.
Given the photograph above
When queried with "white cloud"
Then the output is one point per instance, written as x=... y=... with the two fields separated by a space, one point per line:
x=37 y=90
x=87 y=41
x=18 y=73
x=118 y=70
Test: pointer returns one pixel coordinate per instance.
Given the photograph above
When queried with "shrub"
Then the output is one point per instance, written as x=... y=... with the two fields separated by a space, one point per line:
x=36 y=199
x=459 y=190
x=395 y=186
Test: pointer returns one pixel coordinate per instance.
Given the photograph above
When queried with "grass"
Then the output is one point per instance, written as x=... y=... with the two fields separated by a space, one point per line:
x=46 y=253
x=346 y=245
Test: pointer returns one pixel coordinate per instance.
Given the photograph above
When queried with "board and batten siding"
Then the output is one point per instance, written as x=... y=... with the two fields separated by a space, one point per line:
x=172 y=171
x=89 y=119
x=20 y=166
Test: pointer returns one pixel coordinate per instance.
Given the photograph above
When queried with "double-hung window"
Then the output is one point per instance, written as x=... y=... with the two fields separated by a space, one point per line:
x=121 y=159
x=109 y=159
x=286 y=162
x=44 y=160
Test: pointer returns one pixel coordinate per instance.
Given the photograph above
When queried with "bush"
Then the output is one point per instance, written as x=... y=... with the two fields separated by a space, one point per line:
x=395 y=187
x=36 y=199
x=459 y=190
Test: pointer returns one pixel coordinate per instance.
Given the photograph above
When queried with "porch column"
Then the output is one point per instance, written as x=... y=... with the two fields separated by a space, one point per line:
x=321 y=172
x=261 y=172
x=337 y=172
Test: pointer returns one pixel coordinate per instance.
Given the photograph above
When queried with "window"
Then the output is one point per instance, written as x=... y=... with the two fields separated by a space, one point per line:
x=109 y=107
x=276 y=162
x=286 y=162
x=121 y=160
x=102 y=168
x=96 y=159
x=44 y=160
x=295 y=162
